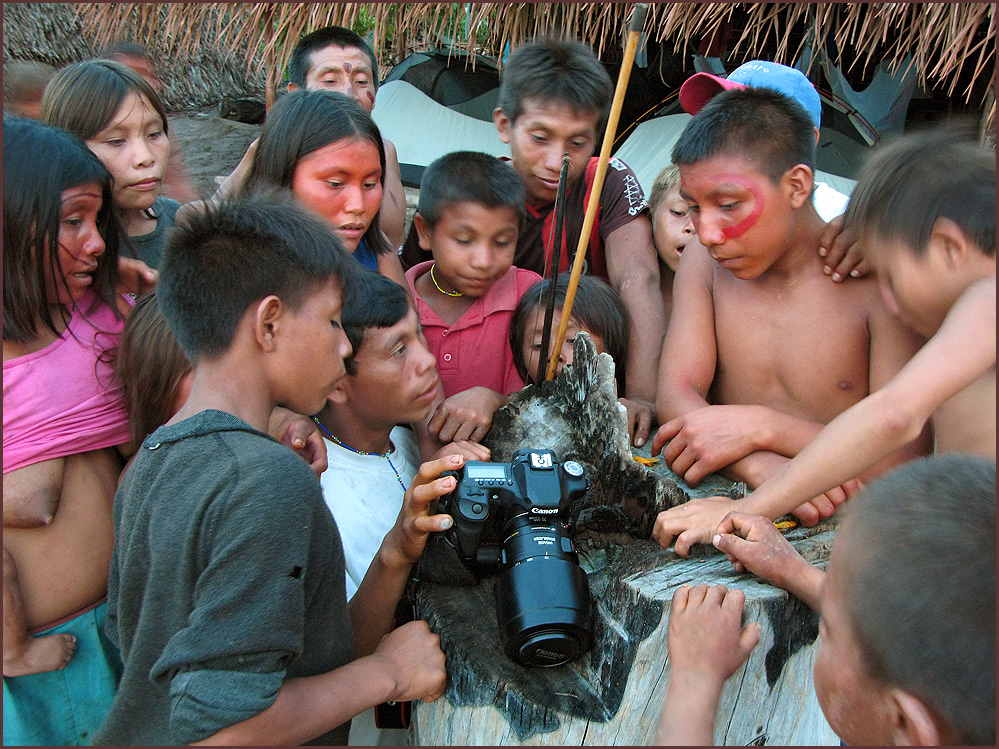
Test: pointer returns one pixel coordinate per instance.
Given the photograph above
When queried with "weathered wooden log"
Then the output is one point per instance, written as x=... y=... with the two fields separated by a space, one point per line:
x=612 y=694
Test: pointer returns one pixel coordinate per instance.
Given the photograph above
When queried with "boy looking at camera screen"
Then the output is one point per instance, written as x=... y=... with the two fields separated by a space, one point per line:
x=391 y=381
x=226 y=589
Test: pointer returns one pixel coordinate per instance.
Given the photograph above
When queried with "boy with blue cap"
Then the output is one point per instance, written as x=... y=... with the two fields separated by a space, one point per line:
x=838 y=247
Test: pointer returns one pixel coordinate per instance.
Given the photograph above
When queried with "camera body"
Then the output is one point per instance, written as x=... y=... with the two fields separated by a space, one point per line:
x=512 y=518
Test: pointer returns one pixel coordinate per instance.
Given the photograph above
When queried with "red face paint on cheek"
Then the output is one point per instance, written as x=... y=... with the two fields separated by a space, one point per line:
x=371 y=97
x=759 y=203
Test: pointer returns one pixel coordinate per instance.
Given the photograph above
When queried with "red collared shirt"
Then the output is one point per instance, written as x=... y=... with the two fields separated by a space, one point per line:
x=475 y=351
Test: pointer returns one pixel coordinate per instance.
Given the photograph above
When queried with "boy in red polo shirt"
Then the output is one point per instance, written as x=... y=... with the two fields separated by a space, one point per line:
x=469 y=217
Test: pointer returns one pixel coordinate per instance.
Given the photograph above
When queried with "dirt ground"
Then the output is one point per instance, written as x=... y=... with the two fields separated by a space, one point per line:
x=209 y=145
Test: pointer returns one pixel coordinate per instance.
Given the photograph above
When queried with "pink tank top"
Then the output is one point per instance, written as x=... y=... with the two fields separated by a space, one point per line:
x=65 y=399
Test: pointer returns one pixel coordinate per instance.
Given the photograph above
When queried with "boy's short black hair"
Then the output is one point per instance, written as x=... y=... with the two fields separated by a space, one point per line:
x=229 y=257
x=328 y=36
x=371 y=301
x=597 y=306
x=469 y=176
x=559 y=71
x=921 y=177
x=921 y=586
x=768 y=128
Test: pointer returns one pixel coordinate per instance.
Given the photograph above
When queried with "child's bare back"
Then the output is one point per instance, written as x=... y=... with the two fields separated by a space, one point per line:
x=958 y=424
x=965 y=422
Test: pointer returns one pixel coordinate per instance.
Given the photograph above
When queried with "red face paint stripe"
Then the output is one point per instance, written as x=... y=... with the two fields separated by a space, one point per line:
x=736 y=231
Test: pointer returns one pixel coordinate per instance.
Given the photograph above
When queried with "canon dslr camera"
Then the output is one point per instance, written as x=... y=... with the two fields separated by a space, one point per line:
x=513 y=517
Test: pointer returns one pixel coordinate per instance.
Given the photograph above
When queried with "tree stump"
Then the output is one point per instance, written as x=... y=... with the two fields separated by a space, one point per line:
x=612 y=695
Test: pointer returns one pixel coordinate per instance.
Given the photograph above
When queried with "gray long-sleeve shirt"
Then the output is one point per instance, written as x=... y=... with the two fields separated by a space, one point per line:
x=227 y=577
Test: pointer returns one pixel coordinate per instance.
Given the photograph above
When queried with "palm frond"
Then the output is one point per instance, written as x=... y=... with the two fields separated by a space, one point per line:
x=948 y=42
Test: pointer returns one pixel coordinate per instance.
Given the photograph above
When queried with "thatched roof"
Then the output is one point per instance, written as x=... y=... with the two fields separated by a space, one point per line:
x=952 y=44
x=197 y=76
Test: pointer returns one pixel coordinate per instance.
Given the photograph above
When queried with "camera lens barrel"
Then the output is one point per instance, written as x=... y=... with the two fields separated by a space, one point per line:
x=543 y=600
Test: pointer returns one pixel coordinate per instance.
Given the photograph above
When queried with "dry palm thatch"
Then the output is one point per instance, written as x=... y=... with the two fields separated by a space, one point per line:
x=941 y=37
x=199 y=75
x=949 y=42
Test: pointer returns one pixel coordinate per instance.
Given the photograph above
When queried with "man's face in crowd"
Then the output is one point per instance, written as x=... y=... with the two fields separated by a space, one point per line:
x=343 y=69
x=538 y=139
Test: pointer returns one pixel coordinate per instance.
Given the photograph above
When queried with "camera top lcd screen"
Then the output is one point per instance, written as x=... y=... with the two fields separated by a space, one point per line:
x=485 y=471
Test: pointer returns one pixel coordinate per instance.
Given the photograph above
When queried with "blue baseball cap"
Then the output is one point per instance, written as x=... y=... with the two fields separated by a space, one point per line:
x=700 y=88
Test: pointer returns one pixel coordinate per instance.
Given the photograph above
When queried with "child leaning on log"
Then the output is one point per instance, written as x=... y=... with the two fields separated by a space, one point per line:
x=469 y=216
x=598 y=311
x=752 y=368
x=907 y=613
x=925 y=211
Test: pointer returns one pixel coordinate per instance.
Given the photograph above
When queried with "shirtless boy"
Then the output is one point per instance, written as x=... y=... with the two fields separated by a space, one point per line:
x=925 y=211
x=751 y=370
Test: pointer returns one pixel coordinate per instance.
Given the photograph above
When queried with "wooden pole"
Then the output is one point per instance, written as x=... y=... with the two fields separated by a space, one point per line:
x=637 y=22
x=556 y=260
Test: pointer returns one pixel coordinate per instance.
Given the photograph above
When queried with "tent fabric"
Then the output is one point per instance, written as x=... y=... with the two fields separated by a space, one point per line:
x=883 y=103
x=423 y=130
x=451 y=81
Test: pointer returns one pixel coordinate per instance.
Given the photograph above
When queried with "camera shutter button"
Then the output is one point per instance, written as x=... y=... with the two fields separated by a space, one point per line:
x=573 y=468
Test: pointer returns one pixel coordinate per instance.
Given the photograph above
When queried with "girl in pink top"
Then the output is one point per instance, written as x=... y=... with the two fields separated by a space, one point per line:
x=64 y=430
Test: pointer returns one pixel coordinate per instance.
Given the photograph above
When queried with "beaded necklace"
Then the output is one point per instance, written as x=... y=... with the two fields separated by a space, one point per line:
x=442 y=291
x=385 y=455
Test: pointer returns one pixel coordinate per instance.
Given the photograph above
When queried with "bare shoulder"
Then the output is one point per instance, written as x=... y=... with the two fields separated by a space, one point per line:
x=695 y=262
x=981 y=294
x=390 y=150
x=972 y=317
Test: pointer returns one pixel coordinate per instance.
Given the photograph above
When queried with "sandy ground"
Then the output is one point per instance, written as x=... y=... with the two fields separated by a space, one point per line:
x=209 y=145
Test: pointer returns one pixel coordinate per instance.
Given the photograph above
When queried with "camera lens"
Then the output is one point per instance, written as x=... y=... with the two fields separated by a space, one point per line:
x=542 y=596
